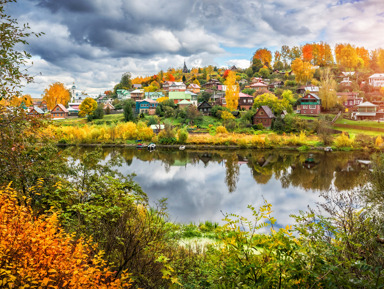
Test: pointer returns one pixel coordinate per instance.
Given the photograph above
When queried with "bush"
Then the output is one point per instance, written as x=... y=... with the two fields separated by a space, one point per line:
x=98 y=113
x=221 y=129
x=343 y=140
x=182 y=136
x=258 y=126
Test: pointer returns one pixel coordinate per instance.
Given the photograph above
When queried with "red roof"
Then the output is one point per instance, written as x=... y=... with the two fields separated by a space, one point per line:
x=62 y=107
x=244 y=95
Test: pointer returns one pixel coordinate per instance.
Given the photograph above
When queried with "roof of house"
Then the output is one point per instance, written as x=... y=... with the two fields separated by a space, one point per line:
x=177 y=83
x=190 y=92
x=147 y=100
x=38 y=110
x=179 y=95
x=154 y=93
x=268 y=111
x=193 y=85
x=258 y=84
x=62 y=107
x=377 y=75
x=184 y=101
x=366 y=104
x=204 y=103
x=138 y=85
x=313 y=95
x=138 y=91
x=244 y=95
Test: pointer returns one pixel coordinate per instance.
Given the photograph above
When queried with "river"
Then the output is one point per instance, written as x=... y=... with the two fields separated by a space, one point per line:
x=201 y=185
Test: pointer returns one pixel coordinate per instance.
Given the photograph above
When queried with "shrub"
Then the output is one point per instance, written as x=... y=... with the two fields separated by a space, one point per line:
x=343 y=140
x=182 y=136
x=378 y=141
x=221 y=129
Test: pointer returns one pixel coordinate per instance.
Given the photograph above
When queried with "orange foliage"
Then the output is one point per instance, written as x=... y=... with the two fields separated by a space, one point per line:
x=37 y=253
x=264 y=55
x=307 y=52
x=169 y=77
x=322 y=54
x=226 y=73
x=55 y=94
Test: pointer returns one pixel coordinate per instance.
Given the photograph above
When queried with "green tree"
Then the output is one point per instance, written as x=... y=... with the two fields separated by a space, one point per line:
x=98 y=113
x=87 y=107
x=275 y=104
x=264 y=72
x=128 y=112
x=12 y=59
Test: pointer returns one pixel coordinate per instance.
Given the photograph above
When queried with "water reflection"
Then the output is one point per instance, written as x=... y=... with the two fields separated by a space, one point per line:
x=201 y=184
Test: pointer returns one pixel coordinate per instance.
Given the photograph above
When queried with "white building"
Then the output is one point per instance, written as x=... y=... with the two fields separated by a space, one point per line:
x=377 y=80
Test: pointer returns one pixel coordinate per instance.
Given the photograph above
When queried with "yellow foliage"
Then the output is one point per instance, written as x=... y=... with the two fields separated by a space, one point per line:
x=37 y=253
x=232 y=91
x=87 y=107
x=221 y=129
x=227 y=115
x=55 y=94
x=378 y=141
x=161 y=99
x=343 y=141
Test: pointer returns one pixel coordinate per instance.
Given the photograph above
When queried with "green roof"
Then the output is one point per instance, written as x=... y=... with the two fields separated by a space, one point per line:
x=184 y=101
x=179 y=95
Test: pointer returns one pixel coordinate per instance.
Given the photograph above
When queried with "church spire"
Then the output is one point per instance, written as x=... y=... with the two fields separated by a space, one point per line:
x=185 y=68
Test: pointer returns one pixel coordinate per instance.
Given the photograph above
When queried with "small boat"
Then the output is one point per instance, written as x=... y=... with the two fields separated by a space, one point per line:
x=327 y=149
x=181 y=148
x=139 y=146
x=151 y=146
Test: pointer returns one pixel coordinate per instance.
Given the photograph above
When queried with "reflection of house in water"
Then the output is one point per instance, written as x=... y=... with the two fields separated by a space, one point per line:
x=364 y=164
x=205 y=158
x=309 y=162
x=242 y=160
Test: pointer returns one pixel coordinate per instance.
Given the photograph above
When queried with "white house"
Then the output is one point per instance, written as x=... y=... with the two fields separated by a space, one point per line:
x=377 y=80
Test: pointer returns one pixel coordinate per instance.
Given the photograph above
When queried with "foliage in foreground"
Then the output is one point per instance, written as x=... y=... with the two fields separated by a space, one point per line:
x=36 y=253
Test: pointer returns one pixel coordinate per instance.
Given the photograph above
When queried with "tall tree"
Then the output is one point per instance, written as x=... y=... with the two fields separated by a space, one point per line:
x=295 y=53
x=327 y=92
x=380 y=58
x=285 y=50
x=12 y=59
x=232 y=91
x=303 y=70
x=56 y=94
x=307 y=54
x=126 y=82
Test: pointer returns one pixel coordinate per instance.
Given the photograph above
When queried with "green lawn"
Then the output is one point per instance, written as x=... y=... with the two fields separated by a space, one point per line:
x=83 y=120
x=354 y=132
x=367 y=123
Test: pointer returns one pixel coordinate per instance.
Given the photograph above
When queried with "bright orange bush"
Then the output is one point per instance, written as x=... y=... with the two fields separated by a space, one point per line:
x=36 y=253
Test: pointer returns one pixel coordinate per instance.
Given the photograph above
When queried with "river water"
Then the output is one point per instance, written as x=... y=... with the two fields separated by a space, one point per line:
x=201 y=185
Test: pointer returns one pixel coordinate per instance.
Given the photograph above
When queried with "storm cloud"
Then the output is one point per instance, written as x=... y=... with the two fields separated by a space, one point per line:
x=92 y=42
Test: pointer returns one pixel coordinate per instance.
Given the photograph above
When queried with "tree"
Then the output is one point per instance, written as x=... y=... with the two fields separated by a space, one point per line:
x=327 y=92
x=380 y=59
x=285 y=50
x=12 y=60
x=128 y=113
x=55 y=94
x=295 y=53
x=87 y=107
x=303 y=70
x=232 y=91
x=99 y=112
x=271 y=100
x=125 y=81
x=307 y=50
x=264 y=72
x=348 y=57
x=264 y=55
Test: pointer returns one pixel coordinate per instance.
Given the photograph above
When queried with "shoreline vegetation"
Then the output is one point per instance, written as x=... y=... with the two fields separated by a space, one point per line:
x=128 y=134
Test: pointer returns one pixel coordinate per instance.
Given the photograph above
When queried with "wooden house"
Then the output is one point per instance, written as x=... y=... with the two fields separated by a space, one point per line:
x=36 y=111
x=245 y=101
x=365 y=110
x=350 y=99
x=59 y=112
x=309 y=104
x=108 y=106
x=195 y=88
x=205 y=108
x=212 y=84
x=147 y=106
x=377 y=80
x=263 y=115
x=137 y=94
x=177 y=86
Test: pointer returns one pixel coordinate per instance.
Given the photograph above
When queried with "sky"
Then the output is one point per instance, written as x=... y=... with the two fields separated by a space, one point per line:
x=93 y=42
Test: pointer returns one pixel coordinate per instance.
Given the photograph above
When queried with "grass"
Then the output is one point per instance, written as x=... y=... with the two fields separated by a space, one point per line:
x=79 y=121
x=366 y=123
x=354 y=132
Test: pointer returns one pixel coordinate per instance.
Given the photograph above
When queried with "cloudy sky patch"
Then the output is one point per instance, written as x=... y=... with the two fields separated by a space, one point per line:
x=93 y=42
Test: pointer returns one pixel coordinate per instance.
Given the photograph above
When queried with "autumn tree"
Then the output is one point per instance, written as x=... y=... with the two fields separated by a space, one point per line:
x=87 y=107
x=36 y=252
x=303 y=70
x=275 y=104
x=346 y=56
x=294 y=53
x=264 y=55
x=55 y=94
x=285 y=50
x=380 y=58
x=327 y=92
x=322 y=54
x=307 y=54
x=232 y=91
x=363 y=54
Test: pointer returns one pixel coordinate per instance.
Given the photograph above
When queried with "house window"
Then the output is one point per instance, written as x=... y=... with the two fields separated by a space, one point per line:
x=312 y=107
x=261 y=112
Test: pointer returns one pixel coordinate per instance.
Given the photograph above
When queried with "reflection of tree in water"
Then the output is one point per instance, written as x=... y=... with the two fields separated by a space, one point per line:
x=232 y=171
x=315 y=171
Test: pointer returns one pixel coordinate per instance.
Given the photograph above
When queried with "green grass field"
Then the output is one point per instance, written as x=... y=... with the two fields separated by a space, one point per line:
x=367 y=123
